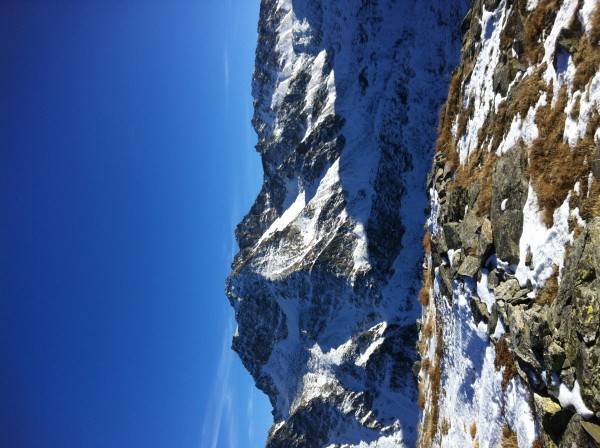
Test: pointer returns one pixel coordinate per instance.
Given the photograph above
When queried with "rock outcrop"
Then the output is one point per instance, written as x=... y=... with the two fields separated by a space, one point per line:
x=511 y=334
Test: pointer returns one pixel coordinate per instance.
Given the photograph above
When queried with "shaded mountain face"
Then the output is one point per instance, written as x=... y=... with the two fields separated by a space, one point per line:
x=346 y=95
x=333 y=262
x=510 y=341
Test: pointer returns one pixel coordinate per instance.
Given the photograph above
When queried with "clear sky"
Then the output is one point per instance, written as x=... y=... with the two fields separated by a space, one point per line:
x=126 y=158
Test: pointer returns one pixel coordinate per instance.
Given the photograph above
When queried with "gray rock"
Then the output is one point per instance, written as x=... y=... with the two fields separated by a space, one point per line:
x=554 y=357
x=452 y=235
x=469 y=266
x=508 y=181
x=446 y=283
x=553 y=418
x=479 y=310
x=506 y=290
x=574 y=435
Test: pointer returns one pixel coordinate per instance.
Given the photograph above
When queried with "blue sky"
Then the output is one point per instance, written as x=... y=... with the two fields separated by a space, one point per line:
x=126 y=158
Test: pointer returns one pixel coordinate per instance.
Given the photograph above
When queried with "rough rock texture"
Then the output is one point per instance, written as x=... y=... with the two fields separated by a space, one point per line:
x=510 y=342
x=324 y=287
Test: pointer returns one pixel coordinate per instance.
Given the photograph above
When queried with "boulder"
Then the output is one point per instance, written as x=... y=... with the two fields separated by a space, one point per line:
x=508 y=181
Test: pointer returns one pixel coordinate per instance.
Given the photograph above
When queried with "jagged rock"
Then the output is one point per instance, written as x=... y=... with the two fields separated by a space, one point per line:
x=553 y=418
x=458 y=200
x=469 y=266
x=479 y=310
x=569 y=40
x=469 y=230
x=451 y=235
x=507 y=290
x=508 y=181
x=554 y=356
x=493 y=279
x=446 y=283
x=574 y=435
x=593 y=430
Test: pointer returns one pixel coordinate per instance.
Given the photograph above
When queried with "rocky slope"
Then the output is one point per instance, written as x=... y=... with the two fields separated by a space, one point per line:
x=510 y=340
x=327 y=284
x=346 y=97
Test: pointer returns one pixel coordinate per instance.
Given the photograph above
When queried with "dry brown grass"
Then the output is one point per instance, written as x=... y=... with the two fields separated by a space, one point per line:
x=509 y=437
x=473 y=430
x=554 y=166
x=426 y=365
x=421 y=399
x=431 y=418
x=595 y=26
x=464 y=117
x=587 y=57
x=505 y=359
x=537 y=443
x=427 y=241
x=445 y=427
x=540 y=19
x=591 y=204
x=427 y=329
x=445 y=142
x=547 y=294
x=478 y=166
x=424 y=296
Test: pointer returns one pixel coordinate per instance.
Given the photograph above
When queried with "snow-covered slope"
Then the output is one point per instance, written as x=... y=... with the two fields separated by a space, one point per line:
x=324 y=287
x=510 y=340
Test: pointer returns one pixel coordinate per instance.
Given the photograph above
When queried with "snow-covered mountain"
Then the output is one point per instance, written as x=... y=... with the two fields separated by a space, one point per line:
x=503 y=348
x=346 y=96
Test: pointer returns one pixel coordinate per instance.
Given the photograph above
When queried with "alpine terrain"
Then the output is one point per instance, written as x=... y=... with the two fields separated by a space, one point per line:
x=421 y=266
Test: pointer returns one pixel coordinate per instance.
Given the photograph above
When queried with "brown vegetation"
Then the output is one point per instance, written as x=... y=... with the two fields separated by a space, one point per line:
x=431 y=418
x=537 y=443
x=427 y=241
x=587 y=57
x=473 y=430
x=445 y=426
x=505 y=359
x=424 y=296
x=535 y=22
x=554 y=166
x=548 y=293
x=445 y=142
x=509 y=437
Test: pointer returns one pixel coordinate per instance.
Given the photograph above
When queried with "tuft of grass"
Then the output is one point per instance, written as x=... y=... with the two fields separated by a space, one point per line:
x=445 y=427
x=473 y=430
x=427 y=329
x=537 y=443
x=509 y=437
x=427 y=241
x=548 y=293
x=426 y=365
x=505 y=359
x=424 y=296
x=445 y=142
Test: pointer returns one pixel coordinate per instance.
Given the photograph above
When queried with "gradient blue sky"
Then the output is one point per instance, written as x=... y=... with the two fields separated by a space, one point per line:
x=126 y=158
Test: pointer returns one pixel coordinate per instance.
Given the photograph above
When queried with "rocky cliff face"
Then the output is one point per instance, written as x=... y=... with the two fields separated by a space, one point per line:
x=346 y=97
x=327 y=284
x=510 y=341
